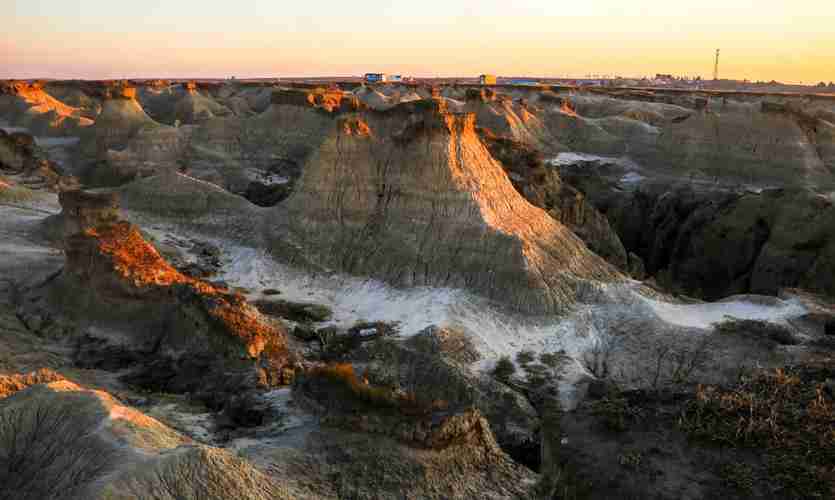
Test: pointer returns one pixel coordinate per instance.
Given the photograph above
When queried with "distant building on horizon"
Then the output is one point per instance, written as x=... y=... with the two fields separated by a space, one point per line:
x=375 y=77
x=487 y=79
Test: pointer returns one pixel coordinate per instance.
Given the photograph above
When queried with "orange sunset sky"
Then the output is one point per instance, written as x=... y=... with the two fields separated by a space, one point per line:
x=760 y=40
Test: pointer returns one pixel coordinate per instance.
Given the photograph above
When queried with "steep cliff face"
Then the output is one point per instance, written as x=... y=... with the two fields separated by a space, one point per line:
x=151 y=150
x=511 y=119
x=171 y=194
x=780 y=239
x=267 y=149
x=543 y=187
x=259 y=154
x=81 y=210
x=293 y=126
x=193 y=335
x=816 y=119
x=16 y=151
x=735 y=140
x=72 y=94
x=375 y=99
x=21 y=157
x=686 y=209
x=299 y=124
x=116 y=264
x=237 y=96
x=413 y=197
x=195 y=107
x=120 y=119
x=200 y=206
x=432 y=366
x=412 y=429
x=183 y=104
x=125 y=142
x=28 y=105
x=716 y=243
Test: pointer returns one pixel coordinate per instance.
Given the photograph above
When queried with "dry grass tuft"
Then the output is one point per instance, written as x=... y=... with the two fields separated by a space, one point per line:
x=343 y=376
x=785 y=412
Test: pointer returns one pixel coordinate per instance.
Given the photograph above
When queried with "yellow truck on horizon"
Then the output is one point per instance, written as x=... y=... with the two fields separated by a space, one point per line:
x=487 y=79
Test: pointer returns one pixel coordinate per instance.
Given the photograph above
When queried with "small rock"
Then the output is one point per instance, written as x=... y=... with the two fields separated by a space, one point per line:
x=636 y=267
x=829 y=386
x=598 y=389
x=367 y=332
x=450 y=343
x=247 y=410
x=271 y=291
x=303 y=312
x=221 y=285
x=35 y=322
x=195 y=270
x=304 y=332
x=137 y=402
x=328 y=331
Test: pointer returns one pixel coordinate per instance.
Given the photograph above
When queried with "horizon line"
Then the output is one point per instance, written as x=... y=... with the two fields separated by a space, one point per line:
x=692 y=78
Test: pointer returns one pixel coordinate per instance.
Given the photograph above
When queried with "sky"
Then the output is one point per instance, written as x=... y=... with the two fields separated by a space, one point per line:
x=787 y=40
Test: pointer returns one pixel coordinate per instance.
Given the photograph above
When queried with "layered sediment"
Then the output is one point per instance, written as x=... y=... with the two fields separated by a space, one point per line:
x=413 y=197
x=175 y=323
x=28 y=105
x=770 y=141
x=66 y=441
x=121 y=118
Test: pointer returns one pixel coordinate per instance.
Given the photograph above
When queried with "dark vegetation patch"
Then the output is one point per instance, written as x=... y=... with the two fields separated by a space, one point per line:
x=774 y=332
x=336 y=344
x=504 y=369
x=770 y=435
x=302 y=312
x=337 y=387
x=305 y=332
x=520 y=158
x=788 y=414
x=615 y=412
x=267 y=195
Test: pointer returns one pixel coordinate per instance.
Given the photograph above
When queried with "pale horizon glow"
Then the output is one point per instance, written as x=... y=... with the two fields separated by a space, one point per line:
x=96 y=39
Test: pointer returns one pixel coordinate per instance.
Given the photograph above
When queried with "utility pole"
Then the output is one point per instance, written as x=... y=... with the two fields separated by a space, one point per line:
x=716 y=67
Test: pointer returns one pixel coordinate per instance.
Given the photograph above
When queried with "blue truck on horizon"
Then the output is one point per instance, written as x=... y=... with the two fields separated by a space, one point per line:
x=381 y=78
x=374 y=77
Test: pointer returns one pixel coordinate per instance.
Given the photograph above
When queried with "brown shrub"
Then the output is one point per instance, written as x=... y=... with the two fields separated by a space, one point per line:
x=343 y=376
x=786 y=413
